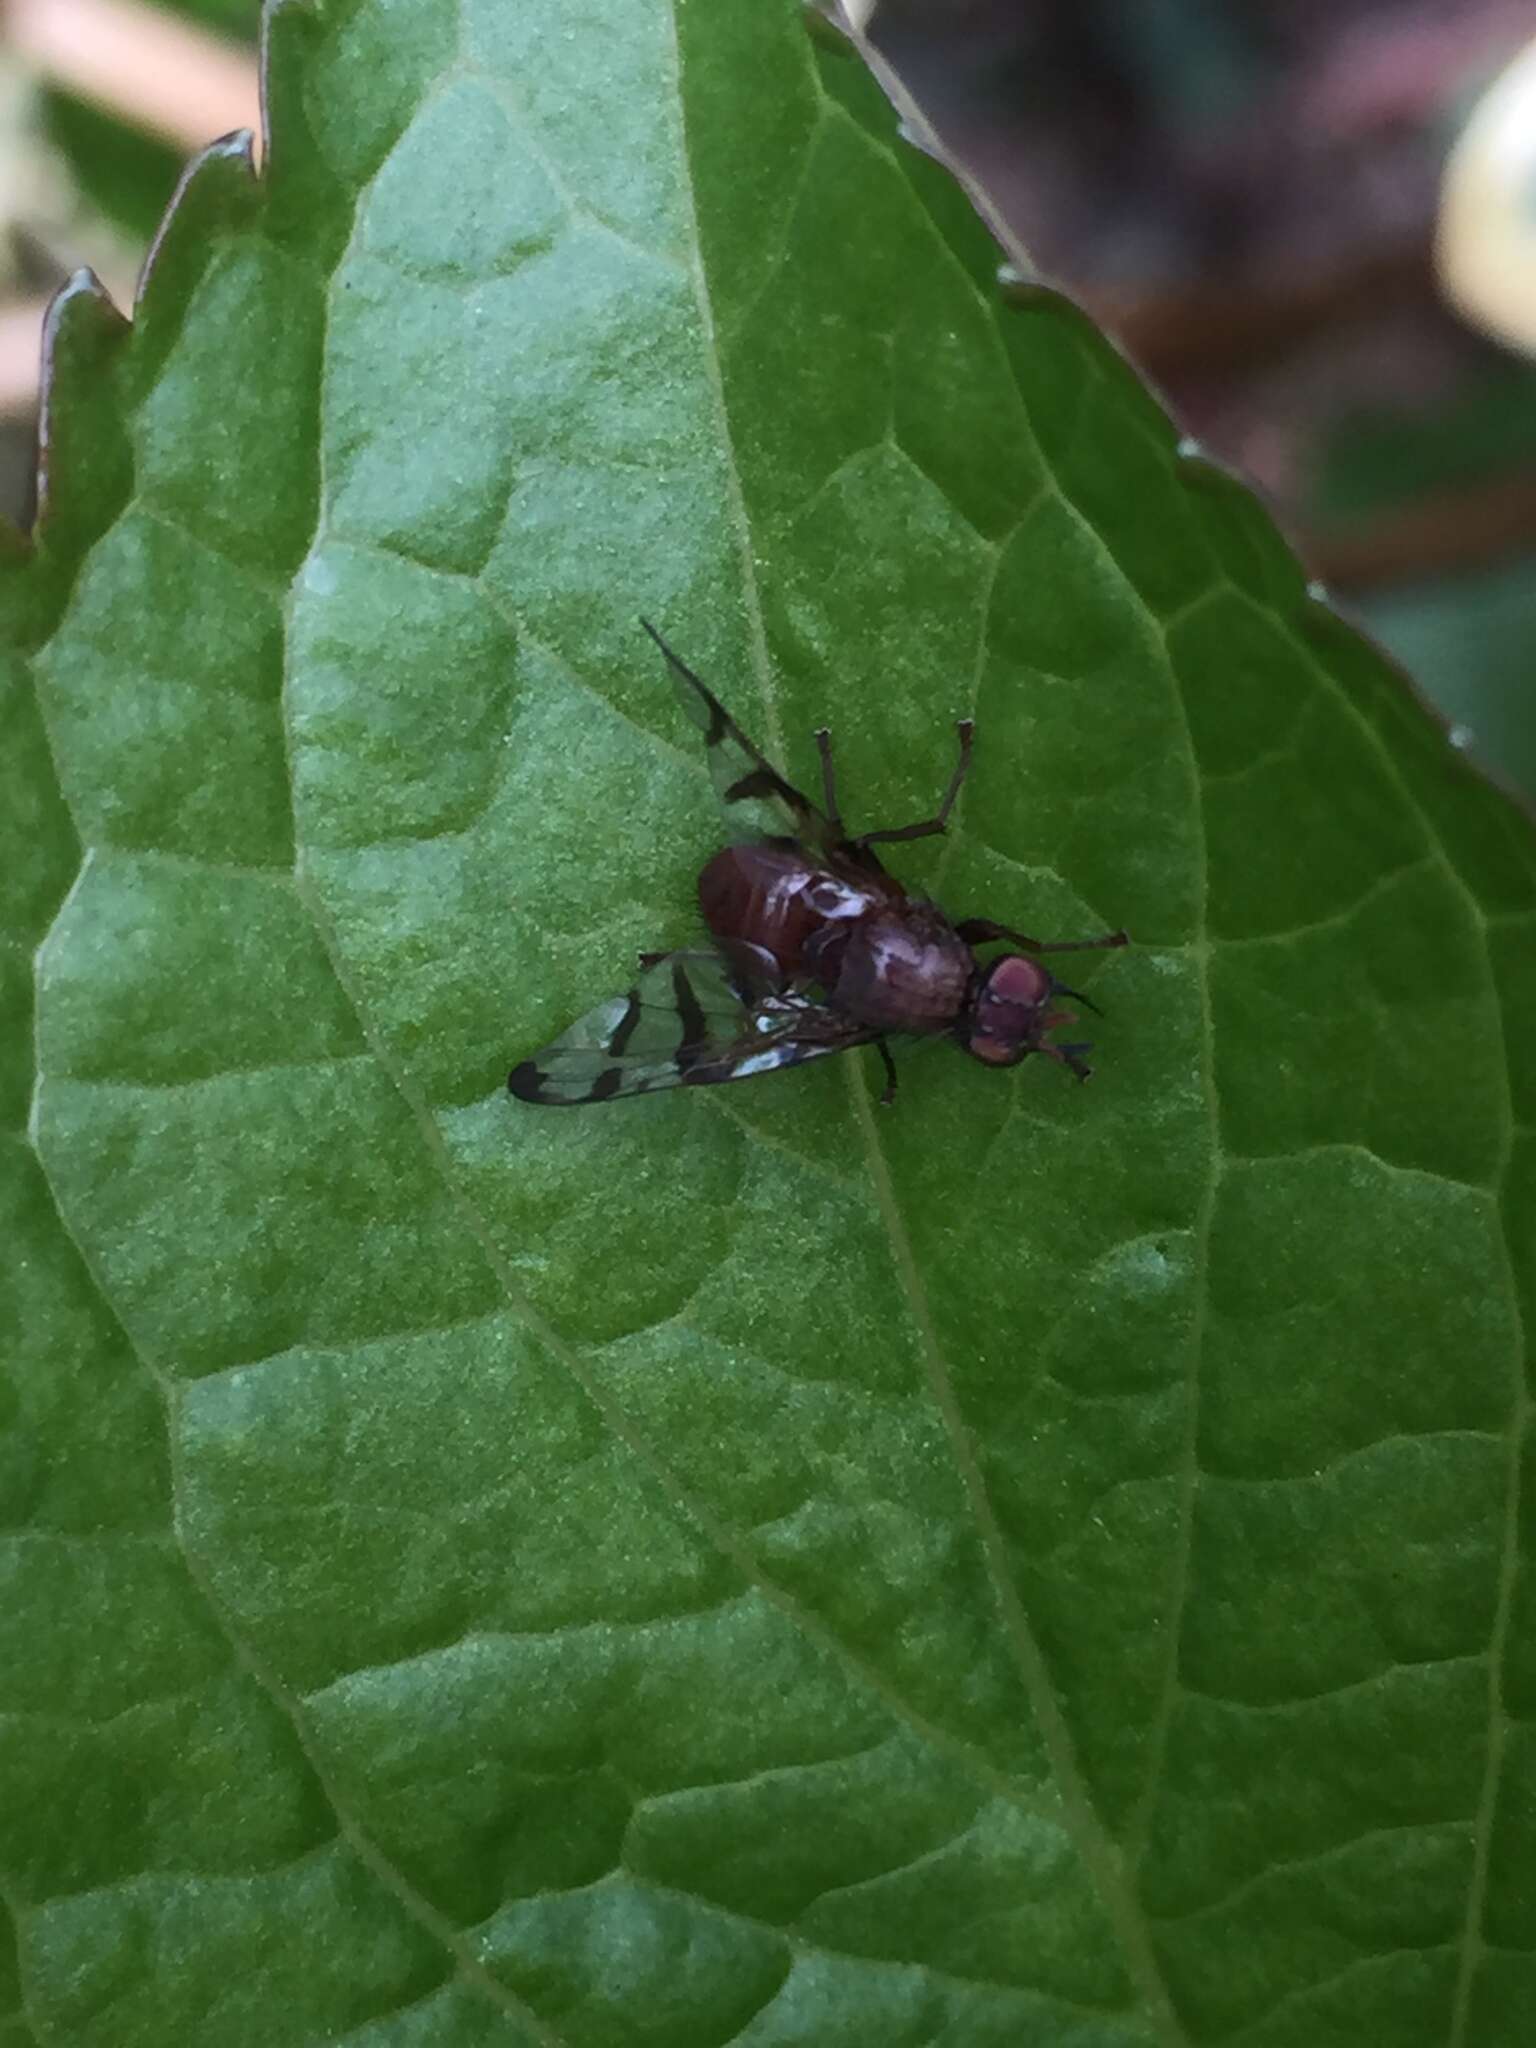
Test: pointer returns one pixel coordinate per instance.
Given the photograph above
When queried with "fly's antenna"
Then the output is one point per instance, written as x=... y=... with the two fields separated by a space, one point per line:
x=675 y=659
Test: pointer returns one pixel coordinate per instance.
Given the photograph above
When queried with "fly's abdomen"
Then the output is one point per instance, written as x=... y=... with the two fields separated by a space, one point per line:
x=770 y=896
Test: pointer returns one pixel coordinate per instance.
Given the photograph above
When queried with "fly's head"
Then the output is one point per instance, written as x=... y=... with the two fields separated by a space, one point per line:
x=1009 y=1014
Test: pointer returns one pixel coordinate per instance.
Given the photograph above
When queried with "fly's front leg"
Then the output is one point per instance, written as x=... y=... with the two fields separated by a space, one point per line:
x=965 y=727
x=1069 y=1056
x=978 y=931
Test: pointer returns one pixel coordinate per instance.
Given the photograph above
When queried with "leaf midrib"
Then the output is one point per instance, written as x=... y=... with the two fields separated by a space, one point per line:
x=1090 y=1838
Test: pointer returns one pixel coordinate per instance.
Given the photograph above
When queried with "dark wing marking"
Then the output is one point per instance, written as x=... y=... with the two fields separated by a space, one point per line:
x=691 y=1020
x=757 y=801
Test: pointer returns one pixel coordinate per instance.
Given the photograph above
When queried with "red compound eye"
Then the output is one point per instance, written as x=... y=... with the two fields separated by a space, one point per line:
x=1016 y=980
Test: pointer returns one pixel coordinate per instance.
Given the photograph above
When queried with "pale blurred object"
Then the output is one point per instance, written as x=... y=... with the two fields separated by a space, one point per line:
x=1485 y=239
x=150 y=69
x=40 y=211
x=45 y=232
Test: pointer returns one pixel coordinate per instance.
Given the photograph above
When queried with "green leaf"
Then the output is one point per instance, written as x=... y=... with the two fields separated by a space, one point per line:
x=1035 y=1565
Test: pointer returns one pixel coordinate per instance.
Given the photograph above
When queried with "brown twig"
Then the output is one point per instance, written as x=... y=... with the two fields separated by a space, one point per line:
x=1229 y=327
x=1438 y=535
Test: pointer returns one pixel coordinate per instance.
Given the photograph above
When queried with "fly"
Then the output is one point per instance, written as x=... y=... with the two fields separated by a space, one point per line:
x=816 y=949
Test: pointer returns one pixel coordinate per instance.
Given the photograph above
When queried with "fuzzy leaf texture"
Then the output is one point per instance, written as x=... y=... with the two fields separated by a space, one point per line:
x=1040 y=1565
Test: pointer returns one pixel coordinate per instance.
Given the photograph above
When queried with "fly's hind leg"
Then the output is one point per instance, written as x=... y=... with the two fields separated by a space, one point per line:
x=926 y=828
x=888 y=1095
x=828 y=778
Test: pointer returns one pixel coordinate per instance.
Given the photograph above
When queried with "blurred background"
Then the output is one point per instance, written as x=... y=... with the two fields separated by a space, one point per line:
x=1311 y=222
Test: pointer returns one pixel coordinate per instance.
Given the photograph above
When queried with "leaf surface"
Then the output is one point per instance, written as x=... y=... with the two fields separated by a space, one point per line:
x=1042 y=1564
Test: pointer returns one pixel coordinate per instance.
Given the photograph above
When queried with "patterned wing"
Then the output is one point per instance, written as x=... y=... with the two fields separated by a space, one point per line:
x=757 y=801
x=690 y=1021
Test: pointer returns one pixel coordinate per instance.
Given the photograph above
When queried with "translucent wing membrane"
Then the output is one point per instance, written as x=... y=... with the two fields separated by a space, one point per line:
x=757 y=801
x=689 y=1021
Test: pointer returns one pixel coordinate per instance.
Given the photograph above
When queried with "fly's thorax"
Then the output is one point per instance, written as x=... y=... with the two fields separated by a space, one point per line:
x=903 y=969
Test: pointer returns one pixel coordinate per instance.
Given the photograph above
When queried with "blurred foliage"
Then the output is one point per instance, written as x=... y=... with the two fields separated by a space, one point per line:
x=127 y=176
x=1375 y=456
x=1468 y=641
